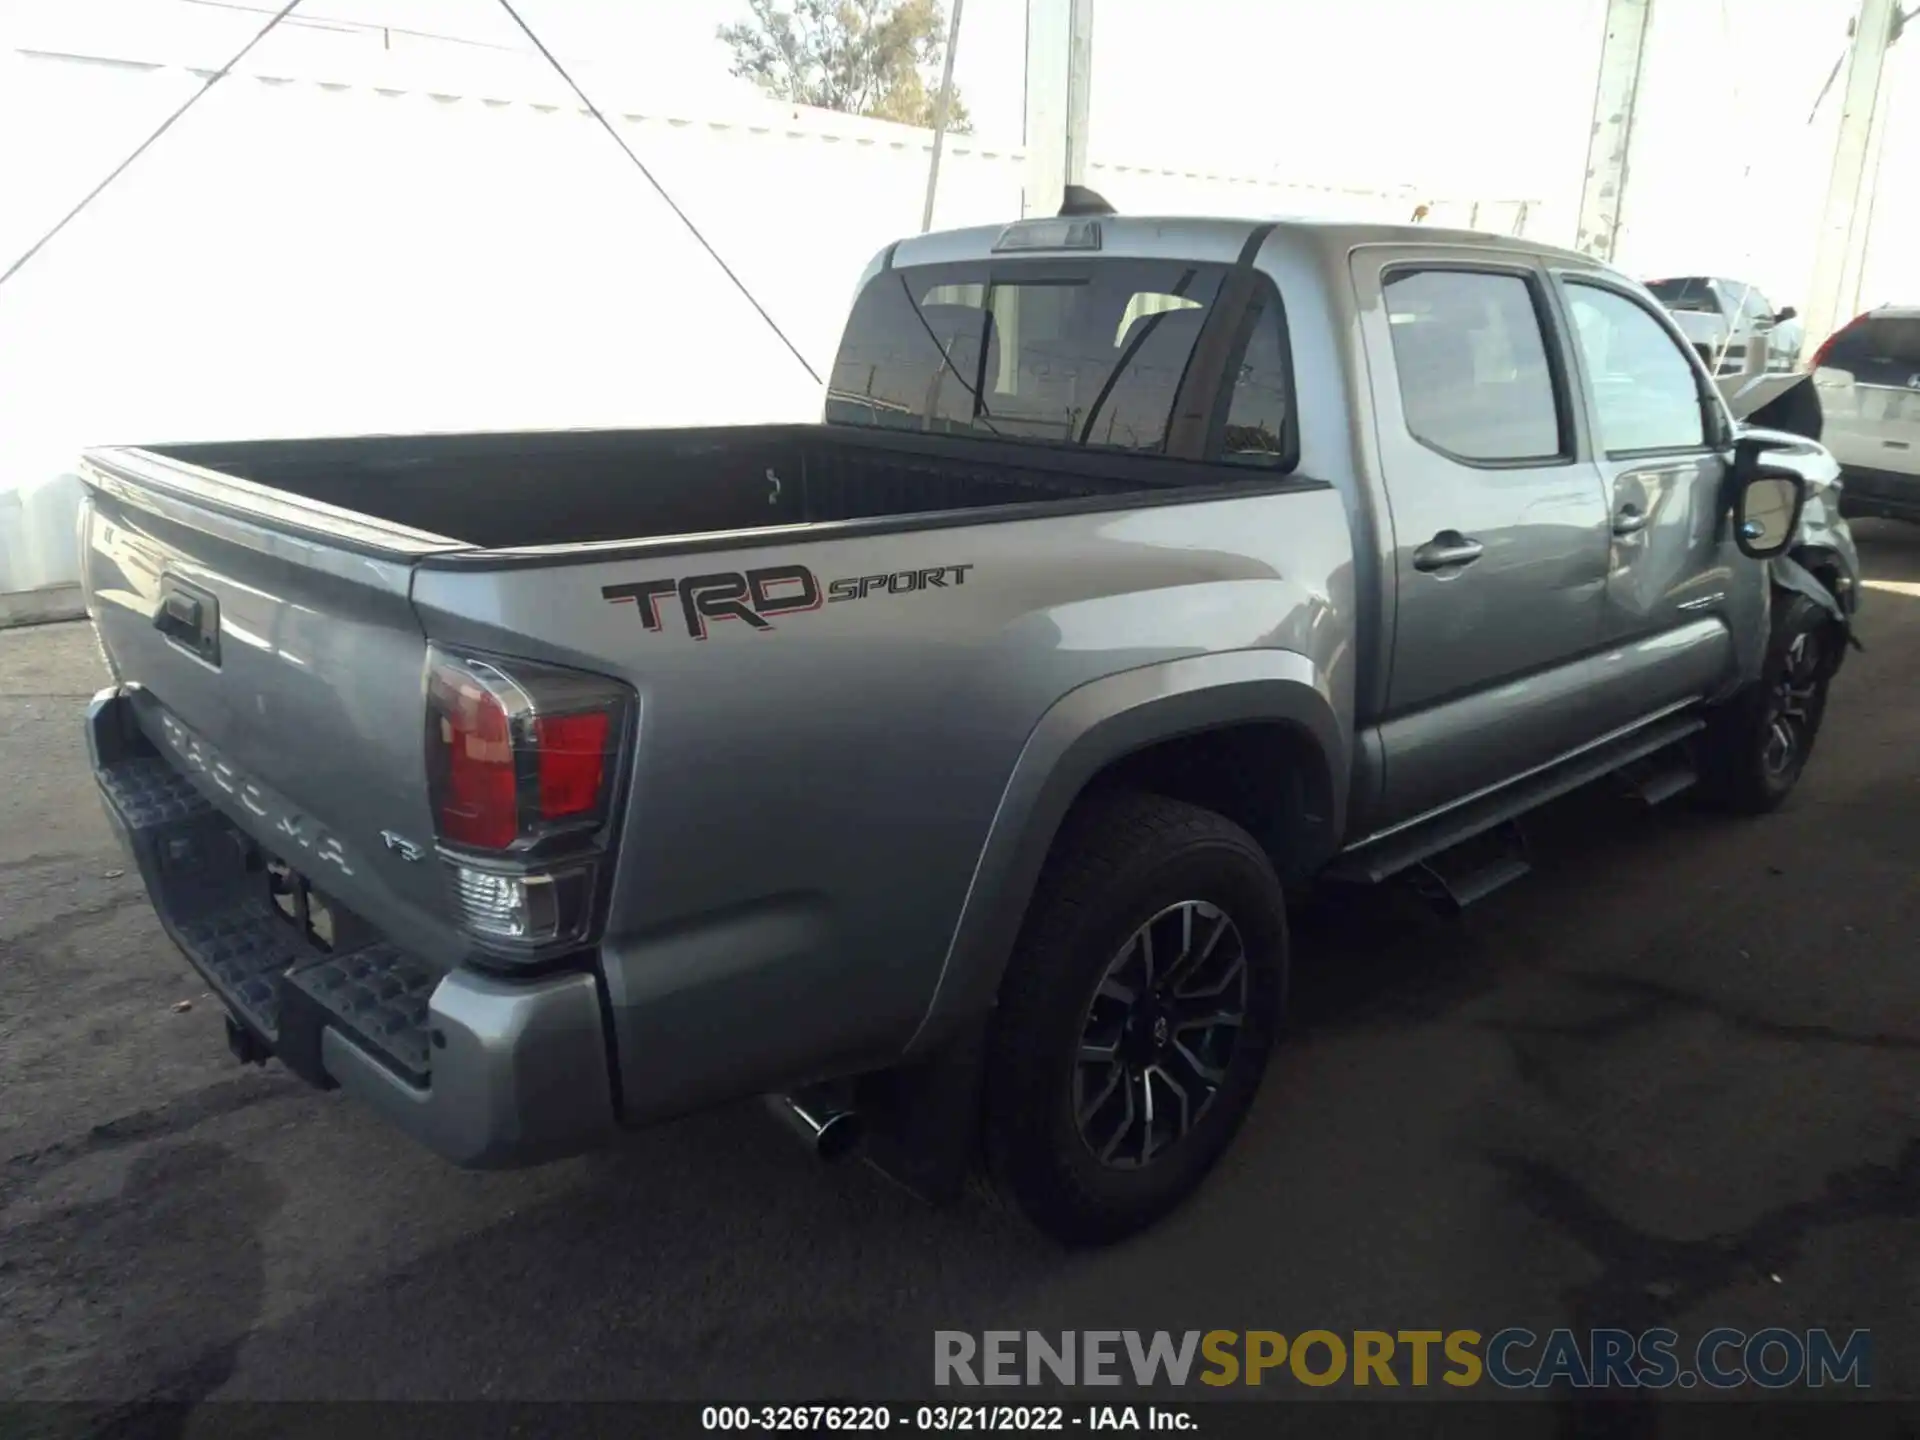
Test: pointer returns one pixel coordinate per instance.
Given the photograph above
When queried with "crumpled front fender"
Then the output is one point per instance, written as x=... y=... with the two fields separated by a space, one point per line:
x=1824 y=542
x=1790 y=574
x=1787 y=572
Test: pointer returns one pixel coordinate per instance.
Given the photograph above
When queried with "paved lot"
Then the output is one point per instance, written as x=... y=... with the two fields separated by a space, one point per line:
x=1675 y=1076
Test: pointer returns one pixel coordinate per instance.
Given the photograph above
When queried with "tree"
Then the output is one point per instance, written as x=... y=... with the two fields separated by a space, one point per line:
x=861 y=57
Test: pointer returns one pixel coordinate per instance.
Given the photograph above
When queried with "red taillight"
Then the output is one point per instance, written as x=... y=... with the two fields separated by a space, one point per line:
x=520 y=770
x=478 y=805
x=518 y=752
x=572 y=762
x=1826 y=345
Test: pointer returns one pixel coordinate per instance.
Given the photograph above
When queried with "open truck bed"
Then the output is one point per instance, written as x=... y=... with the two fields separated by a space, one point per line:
x=521 y=490
x=299 y=632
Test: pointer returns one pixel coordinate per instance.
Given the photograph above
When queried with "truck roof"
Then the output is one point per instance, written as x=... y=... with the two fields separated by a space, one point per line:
x=1204 y=237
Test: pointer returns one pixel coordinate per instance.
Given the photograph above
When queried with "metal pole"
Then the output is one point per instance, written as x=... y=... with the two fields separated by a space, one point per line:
x=1059 y=84
x=1854 y=274
x=1079 y=88
x=1848 y=192
x=940 y=118
x=1603 y=197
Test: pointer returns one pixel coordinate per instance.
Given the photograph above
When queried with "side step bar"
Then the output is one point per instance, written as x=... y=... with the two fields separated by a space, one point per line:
x=1397 y=850
x=1659 y=778
x=1473 y=869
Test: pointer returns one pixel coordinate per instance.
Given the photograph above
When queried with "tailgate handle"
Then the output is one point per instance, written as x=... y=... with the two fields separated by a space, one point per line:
x=190 y=618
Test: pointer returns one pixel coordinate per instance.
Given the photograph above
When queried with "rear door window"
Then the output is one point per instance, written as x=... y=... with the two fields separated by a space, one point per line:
x=1088 y=353
x=1475 y=382
x=1878 y=350
x=1257 y=429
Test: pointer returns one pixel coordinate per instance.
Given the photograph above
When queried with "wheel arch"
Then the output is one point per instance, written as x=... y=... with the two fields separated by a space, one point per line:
x=1821 y=573
x=1178 y=728
x=1826 y=564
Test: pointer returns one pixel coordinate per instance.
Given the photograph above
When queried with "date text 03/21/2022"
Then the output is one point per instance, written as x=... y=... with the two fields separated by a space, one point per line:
x=942 y=1419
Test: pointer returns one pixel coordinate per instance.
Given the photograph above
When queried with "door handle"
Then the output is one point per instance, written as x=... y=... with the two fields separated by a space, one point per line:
x=179 y=614
x=190 y=618
x=1448 y=551
x=1630 y=519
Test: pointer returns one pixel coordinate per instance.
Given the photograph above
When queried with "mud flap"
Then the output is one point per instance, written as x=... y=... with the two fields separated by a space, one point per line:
x=1790 y=574
x=923 y=1119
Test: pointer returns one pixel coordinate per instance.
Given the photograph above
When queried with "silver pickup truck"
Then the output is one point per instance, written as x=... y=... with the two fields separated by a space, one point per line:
x=940 y=771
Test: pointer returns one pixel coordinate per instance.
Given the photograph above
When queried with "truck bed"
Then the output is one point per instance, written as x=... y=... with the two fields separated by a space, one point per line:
x=514 y=490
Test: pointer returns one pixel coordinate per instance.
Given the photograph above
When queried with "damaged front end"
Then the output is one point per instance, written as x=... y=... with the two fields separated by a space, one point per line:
x=1822 y=563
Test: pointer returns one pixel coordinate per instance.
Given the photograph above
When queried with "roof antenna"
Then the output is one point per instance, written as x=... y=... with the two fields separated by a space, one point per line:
x=1082 y=201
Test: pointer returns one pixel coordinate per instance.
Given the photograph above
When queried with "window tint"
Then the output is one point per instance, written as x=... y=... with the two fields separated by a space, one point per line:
x=1646 y=392
x=1474 y=379
x=1256 y=432
x=1089 y=352
x=1694 y=293
x=1887 y=339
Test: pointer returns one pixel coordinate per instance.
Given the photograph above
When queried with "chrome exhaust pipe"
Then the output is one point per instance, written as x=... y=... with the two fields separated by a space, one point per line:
x=823 y=1124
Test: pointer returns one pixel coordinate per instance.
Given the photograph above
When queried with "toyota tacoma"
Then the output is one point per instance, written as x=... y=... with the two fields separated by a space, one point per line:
x=941 y=770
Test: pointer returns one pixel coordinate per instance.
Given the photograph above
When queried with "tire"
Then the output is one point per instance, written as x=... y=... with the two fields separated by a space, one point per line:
x=1125 y=865
x=1757 y=745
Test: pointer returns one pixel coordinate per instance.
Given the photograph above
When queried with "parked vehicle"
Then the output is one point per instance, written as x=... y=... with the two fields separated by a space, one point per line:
x=1720 y=316
x=940 y=769
x=1868 y=377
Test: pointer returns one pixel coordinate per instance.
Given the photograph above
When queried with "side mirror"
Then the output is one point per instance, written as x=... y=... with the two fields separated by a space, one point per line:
x=1767 y=501
x=1786 y=313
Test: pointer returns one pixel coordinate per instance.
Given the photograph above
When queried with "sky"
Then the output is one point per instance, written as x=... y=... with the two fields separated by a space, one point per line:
x=1475 y=99
x=1488 y=97
x=1208 y=83
x=1470 y=99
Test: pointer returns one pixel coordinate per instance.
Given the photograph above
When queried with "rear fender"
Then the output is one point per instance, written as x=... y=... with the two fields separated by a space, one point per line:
x=1083 y=734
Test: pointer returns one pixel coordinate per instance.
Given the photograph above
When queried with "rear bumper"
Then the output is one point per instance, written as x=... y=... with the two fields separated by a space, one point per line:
x=490 y=1074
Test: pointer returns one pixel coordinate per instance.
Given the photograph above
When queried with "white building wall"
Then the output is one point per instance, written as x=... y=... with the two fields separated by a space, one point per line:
x=303 y=255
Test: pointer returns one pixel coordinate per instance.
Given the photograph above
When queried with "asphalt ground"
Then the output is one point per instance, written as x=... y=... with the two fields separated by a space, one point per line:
x=1671 y=1078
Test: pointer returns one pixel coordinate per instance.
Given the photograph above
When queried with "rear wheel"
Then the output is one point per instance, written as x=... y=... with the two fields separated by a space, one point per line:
x=1757 y=745
x=1136 y=1017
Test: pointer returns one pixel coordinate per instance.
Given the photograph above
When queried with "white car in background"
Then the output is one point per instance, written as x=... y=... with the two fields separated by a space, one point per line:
x=1720 y=316
x=1868 y=378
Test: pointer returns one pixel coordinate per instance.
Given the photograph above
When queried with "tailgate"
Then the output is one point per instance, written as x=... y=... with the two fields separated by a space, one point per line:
x=1873 y=430
x=274 y=656
x=1869 y=379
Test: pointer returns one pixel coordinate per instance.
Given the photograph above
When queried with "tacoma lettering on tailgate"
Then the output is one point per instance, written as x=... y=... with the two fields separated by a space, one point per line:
x=285 y=822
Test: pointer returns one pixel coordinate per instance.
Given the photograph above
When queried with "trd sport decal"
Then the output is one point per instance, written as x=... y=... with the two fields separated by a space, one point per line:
x=753 y=596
